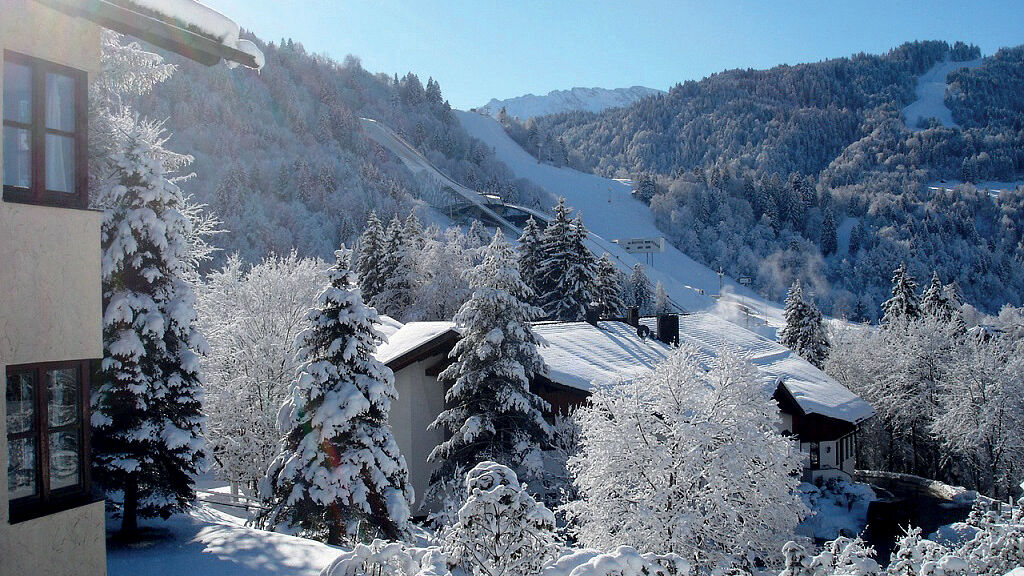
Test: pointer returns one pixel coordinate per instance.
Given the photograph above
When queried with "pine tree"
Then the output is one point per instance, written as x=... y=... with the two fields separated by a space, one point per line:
x=530 y=258
x=490 y=412
x=397 y=272
x=904 y=304
x=829 y=242
x=147 y=410
x=639 y=290
x=414 y=239
x=661 y=305
x=553 y=241
x=609 y=289
x=934 y=301
x=371 y=253
x=339 y=476
x=804 y=332
x=571 y=272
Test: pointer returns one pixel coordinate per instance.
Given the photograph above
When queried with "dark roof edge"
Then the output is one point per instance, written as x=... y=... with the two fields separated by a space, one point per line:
x=165 y=33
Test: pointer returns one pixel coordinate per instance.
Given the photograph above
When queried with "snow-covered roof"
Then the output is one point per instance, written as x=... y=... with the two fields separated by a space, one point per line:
x=582 y=356
x=586 y=357
x=813 y=390
x=410 y=337
x=388 y=325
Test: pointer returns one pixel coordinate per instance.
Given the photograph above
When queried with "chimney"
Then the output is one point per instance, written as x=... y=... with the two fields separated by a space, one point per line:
x=592 y=316
x=668 y=329
x=633 y=317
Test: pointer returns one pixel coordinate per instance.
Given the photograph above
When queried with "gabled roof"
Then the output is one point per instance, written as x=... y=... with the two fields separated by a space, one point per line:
x=186 y=27
x=587 y=357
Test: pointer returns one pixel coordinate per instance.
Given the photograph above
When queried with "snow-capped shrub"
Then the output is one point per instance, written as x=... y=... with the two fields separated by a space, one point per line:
x=383 y=558
x=501 y=529
x=623 y=561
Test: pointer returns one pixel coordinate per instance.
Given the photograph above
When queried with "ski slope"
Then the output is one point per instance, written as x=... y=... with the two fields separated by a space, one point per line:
x=610 y=212
x=931 y=94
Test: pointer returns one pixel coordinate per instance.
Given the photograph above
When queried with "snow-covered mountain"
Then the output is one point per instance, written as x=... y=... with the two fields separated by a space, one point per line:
x=589 y=99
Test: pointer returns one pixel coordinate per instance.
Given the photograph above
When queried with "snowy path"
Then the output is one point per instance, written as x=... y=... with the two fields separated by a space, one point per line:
x=611 y=212
x=210 y=543
x=931 y=94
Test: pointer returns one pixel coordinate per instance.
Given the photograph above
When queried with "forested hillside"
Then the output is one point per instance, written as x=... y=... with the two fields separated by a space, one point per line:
x=280 y=158
x=810 y=171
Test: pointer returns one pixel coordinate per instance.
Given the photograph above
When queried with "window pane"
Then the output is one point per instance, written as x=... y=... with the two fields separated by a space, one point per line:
x=20 y=403
x=21 y=468
x=17 y=157
x=17 y=92
x=60 y=102
x=64 y=459
x=62 y=396
x=60 y=163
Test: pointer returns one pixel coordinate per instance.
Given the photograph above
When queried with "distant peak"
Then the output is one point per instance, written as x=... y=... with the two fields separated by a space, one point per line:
x=577 y=98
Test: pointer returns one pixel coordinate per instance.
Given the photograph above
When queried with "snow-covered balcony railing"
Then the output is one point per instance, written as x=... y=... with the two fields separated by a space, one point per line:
x=186 y=27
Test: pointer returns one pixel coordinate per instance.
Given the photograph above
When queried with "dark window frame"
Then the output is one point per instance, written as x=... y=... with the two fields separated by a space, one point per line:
x=46 y=501
x=37 y=193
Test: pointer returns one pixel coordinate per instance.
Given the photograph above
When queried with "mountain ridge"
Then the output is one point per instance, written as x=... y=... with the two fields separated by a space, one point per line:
x=574 y=99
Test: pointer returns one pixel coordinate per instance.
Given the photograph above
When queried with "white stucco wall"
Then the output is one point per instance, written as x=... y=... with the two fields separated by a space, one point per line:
x=50 y=309
x=420 y=400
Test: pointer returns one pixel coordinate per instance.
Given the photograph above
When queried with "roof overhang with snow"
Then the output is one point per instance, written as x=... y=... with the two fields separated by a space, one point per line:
x=586 y=357
x=185 y=27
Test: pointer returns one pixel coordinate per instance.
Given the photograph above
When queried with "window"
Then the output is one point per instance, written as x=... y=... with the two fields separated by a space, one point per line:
x=44 y=133
x=47 y=435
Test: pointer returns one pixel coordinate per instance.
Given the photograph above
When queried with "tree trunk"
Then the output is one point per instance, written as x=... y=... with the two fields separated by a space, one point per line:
x=129 y=513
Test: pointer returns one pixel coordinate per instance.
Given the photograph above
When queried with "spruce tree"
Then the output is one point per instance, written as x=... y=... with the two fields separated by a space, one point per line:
x=934 y=301
x=554 y=242
x=609 y=289
x=339 y=476
x=572 y=271
x=530 y=256
x=904 y=304
x=829 y=239
x=491 y=414
x=371 y=253
x=397 y=273
x=804 y=332
x=147 y=440
x=639 y=290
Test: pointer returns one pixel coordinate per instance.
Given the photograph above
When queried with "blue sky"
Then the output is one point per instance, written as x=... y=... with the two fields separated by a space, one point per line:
x=479 y=50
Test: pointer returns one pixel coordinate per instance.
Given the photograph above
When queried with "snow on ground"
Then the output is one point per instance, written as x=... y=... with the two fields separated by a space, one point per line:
x=993 y=187
x=610 y=212
x=931 y=94
x=207 y=542
x=839 y=508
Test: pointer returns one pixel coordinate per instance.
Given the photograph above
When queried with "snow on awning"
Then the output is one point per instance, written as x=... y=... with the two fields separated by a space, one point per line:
x=186 y=27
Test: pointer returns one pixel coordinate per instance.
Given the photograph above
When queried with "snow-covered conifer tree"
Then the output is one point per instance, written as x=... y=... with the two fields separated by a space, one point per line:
x=553 y=254
x=442 y=287
x=147 y=409
x=829 y=242
x=531 y=258
x=490 y=412
x=570 y=270
x=339 y=476
x=501 y=530
x=935 y=302
x=661 y=305
x=371 y=255
x=397 y=271
x=904 y=304
x=668 y=459
x=609 y=288
x=804 y=332
x=639 y=290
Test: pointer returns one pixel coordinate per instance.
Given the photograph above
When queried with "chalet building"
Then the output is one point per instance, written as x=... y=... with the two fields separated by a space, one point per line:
x=584 y=356
x=50 y=520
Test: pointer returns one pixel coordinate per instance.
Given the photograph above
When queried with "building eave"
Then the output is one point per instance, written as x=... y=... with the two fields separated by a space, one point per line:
x=165 y=33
